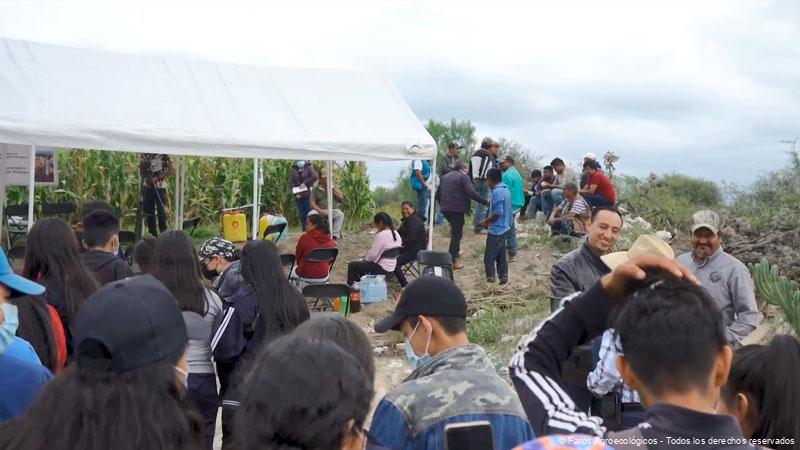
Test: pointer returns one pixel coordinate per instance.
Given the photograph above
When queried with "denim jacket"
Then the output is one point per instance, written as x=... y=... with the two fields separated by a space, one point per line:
x=457 y=385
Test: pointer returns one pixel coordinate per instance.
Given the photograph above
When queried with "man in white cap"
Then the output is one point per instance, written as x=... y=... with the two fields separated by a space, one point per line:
x=725 y=277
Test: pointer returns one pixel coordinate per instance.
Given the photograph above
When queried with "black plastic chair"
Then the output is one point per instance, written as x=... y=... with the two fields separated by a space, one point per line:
x=390 y=279
x=56 y=209
x=324 y=255
x=429 y=260
x=191 y=225
x=324 y=293
x=287 y=260
x=272 y=229
x=16 y=217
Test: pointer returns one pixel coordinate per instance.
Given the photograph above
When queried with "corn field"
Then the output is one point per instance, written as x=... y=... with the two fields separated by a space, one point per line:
x=211 y=184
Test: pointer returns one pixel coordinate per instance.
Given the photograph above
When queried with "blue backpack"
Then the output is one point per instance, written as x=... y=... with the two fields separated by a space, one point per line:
x=426 y=172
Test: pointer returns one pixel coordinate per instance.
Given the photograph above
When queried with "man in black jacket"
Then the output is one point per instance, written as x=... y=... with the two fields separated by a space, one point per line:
x=101 y=237
x=676 y=357
x=453 y=195
x=482 y=160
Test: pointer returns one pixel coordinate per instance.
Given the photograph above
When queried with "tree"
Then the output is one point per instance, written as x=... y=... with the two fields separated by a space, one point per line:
x=461 y=132
x=524 y=160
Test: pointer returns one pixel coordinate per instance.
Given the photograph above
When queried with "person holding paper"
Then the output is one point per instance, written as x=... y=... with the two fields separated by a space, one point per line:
x=301 y=179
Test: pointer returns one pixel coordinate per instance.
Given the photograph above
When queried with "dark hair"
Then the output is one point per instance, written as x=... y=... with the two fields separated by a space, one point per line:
x=460 y=165
x=385 y=219
x=610 y=209
x=343 y=333
x=144 y=253
x=176 y=266
x=320 y=221
x=52 y=253
x=536 y=173
x=35 y=326
x=767 y=374
x=547 y=168
x=409 y=204
x=293 y=408
x=671 y=331
x=281 y=308
x=452 y=324
x=590 y=164
x=556 y=161
x=495 y=175
x=99 y=227
x=95 y=205
x=82 y=409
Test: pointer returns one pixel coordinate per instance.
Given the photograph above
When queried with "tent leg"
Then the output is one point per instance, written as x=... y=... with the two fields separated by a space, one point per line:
x=432 y=207
x=175 y=203
x=2 y=187
x=329 y=169
x=256 y=199
x=31 y=185
x=183 y=192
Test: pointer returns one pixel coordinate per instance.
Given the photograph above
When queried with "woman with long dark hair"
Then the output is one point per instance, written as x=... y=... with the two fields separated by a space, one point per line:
x=36 y=327
x=762 y=392
x=286 y=405
x=125 y=387
x=373 y=263
x=265 y=308
x=177 y=268
x=415 y=238
x=52 y=258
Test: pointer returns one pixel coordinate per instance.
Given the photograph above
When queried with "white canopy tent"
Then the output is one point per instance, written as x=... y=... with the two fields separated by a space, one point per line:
x=80 y=98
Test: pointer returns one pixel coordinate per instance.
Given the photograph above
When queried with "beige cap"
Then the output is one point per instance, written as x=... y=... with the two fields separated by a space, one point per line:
x=646 y=244
x=706 y=219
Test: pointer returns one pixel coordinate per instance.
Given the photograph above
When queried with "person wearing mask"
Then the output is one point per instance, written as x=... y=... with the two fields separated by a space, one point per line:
x=21 y=379
x=129 y=364
x=52 y=258
x=453 y=381
x=415 y=239
x=301 y=180
x=219 y=262
x=154 y=170
x=454 y=194
x=760 y=392
x=374 y=263
x=598 y=190
x=319 y=204
x=498 y=225
x=675 y=356
x=143 y=253
x=294 y=408
x=725 y=277
x=101 y=237
x=177 y=269
x=515 y=183
x=420 y=182
x=573 y=216
x=553 y=192
x=482 y=160
x=265 y=308
x=317 y=235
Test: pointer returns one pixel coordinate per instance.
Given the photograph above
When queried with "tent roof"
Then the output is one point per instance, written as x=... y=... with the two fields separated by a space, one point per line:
x=71 y=97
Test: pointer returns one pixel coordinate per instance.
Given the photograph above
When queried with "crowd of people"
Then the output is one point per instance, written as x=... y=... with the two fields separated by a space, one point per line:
x=643 y=348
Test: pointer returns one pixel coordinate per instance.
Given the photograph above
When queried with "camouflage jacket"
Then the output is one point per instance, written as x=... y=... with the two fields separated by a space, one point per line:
x=457 y=385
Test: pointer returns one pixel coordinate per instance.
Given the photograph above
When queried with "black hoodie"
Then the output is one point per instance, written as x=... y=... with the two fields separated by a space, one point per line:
x=106 y=266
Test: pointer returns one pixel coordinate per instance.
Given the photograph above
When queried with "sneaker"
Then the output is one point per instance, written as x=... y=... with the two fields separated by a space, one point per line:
x=457 y=265
x=503 y=282
x=512 y=258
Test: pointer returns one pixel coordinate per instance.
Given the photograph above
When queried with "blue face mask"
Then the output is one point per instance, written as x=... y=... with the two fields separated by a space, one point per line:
x=8 y=329
x=412 y=357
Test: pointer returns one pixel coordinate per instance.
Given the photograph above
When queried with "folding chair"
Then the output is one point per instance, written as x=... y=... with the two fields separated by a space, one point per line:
x=57 y=209
x=437 y=263
x=391 y=280
x=16 y=217
x=325 y=293
x=287 y=260
x=320 y=255
x=273 y=229
x=191 y=225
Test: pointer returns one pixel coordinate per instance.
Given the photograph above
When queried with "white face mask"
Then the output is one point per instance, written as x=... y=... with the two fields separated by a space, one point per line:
x=184 y=377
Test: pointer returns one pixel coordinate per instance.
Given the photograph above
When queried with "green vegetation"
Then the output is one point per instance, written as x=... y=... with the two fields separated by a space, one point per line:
x=778 y=290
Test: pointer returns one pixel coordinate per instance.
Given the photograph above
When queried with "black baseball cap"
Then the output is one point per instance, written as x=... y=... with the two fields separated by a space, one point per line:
x=128 y=324
x=454 y=145
x=427 y=296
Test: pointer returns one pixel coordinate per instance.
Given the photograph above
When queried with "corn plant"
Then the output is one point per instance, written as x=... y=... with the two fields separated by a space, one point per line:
x=778 y=290
x=353 y=181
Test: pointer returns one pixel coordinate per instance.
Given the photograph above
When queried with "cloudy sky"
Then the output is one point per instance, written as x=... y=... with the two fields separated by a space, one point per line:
x=703 y=88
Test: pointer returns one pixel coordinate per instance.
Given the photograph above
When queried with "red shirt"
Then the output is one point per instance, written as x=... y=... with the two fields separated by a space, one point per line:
x=307 y=242
x=61 y=339
x=604 y=186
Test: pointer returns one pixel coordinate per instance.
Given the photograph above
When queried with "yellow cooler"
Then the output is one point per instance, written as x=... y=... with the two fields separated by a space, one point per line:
x=234 y=227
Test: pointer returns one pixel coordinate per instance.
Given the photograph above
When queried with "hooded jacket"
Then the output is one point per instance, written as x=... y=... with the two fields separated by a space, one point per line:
x=412 y=231
x=307 y=242
x=105 y=266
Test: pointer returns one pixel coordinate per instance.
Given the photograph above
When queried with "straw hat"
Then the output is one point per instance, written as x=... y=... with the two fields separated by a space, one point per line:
x=645 y=245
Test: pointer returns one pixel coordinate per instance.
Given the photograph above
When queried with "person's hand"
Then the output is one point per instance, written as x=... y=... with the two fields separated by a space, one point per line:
x=619 y=281
x=551 y=221
x=484 y=223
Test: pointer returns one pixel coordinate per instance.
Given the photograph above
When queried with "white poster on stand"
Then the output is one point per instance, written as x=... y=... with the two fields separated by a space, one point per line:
x=18 y=165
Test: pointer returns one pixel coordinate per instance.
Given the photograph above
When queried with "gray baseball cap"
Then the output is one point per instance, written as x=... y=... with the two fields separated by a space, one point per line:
x=706 y=219
x=488 y=142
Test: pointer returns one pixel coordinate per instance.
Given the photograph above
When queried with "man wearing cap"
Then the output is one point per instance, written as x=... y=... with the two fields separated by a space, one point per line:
x=453 y=381
x=516 y=186
x=220 y=263
x=449 y=160
x=301 y=180
x=725 y=277
x=20 y=379
x=482 y=160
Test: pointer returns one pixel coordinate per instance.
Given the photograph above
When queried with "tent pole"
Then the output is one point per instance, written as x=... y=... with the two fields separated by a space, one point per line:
x=182 y=169
x=31 y=185
x=2 y=187
x=175 y=205
x=329 y=169
x=255 y=198
x=432 y=207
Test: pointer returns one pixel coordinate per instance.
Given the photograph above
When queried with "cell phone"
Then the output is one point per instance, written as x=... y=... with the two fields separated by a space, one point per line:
x=469 y=436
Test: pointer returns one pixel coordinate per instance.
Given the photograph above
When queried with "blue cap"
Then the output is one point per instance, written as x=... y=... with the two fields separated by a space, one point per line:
x=16 y=283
